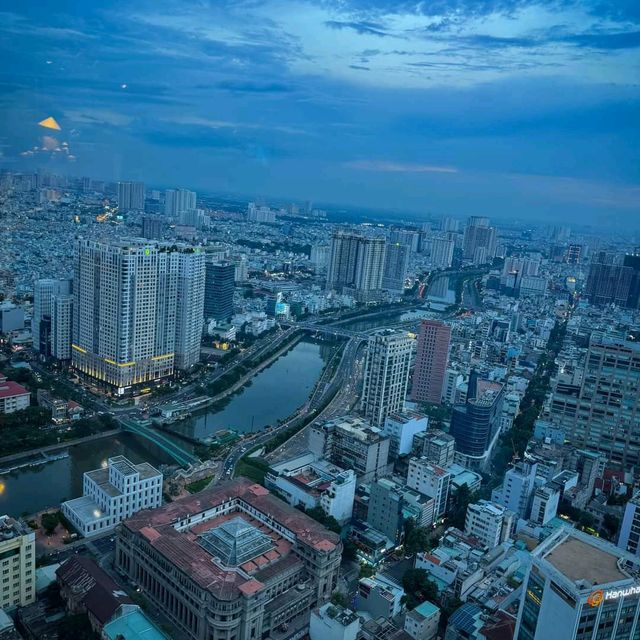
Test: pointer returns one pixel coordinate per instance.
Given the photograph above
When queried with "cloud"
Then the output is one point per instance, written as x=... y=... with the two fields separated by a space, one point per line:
x=254 y=87
x=361 y=28
x=385 y=166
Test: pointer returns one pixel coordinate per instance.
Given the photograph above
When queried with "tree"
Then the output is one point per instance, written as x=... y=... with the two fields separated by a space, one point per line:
x=338 y=599
x=366 y=570
x=416 y=541
x=349 y=550
x=418 y=588
x=76 y=627
x=49 y=522
x=611 y=524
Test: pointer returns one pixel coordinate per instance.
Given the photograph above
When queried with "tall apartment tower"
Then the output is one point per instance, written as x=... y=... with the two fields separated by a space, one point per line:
x=431 y=361
x=441 y=253
x=178 y=200
x=44 y=293
x=131 y=196
x=18 y=553
x=603 y=412
x=356 y=264
x=395 y=268
x=126 y=315
x=61 y=326
x=480 y=240
x=189 y=308
x=219 y=288
x=386 y=375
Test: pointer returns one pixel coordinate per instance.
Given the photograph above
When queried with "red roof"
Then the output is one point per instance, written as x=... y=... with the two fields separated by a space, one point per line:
x=8 y=389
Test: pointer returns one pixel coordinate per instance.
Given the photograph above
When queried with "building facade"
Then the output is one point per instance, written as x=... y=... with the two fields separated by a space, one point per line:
x=489 y=523
x=386 y=375
x=230 y=563
x=430 y=480
x=13 y=396
x=112 y=494
x=401 y=428
x=219 y=288
x=178 y=200
x=18 y=564
x=44 y=293
x=130 y=196
x=431 y=362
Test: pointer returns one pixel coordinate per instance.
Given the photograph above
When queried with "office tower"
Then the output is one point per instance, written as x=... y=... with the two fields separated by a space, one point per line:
x=574 y=254
x=241 y=269
x=153 y=227
x=391 y=505
x=441 y=253
x=632 y=261
x=480 y=240
x=475 y=425
x=545 y=504
x=629 y=536
x=489 y=523
x=431 y=361
x=125 y=311
x=395 y=268
x=178 y=200
x=578 y=586
x=61 y=326
x=608 y=282
x=43 y=293
x=130 y=196
x=430 y=480
x=601 y=413
x=386 y=375
x=518 y=487
x=407 y=237
x=212 y=562
x=219 y=288
x=401 y=428
x=356 y=265
x=351 y=443
x=189 y=308
x=18 y=559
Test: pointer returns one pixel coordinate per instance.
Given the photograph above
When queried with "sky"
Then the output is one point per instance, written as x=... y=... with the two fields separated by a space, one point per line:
x=519 y=109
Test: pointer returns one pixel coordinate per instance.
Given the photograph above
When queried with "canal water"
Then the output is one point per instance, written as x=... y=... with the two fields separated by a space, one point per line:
x=32 y=489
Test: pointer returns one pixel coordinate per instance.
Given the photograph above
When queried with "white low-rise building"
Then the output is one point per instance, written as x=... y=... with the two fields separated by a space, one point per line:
x=113 y=494
x=400 y=428
x=421 y=623
x=331 y=622
x=13 y=396
x=488 y=523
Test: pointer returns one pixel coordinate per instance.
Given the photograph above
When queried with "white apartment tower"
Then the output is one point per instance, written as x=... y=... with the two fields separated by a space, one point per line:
x=489 y=523
x=18 y=563
x=127 y=312
x=61 y=326
x=386 y=375
x=178 y=200
x=44 y=292
x=441 y=253
x=130 y=196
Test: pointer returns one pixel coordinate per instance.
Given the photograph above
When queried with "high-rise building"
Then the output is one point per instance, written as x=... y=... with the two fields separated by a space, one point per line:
x=450 y=225
x=130 y=196
x=44 y=291
x=352 y=443
x=574 y=254
x=178 y=200
x=189 y=308
x=518 y=487
x=608 y=280
x=489 y=523
x=219 y=288
x=153 y=227
x=475 y=425
x=61 y=326
x=395 y=268
x=441 y=253
x=320 y=256
x=480 y=240
x=408 y=237
x=629 y=536
x=356 y=264
x=386 y=375
x=437 y=447
x=430 y=480
x=18 y=561
x=578 y=586
x=125 y=310
x=602 y=413
x=401 y=428
x=632 y=261
x=431 y=361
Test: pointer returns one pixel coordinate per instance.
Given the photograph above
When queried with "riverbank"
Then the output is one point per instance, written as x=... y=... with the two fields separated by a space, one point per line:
x=57 y=447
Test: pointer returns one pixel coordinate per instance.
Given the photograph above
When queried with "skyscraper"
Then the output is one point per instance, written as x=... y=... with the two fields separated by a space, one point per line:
x=131 y=196
x=480 y=240
x=178 y=200
x=386 y=375
x=602 y=412
x=44 y=292
x=395 y=268
x=126 y=314
x=609 y=281
x=431 y=361
x=476 y=423
x=441 y=253
x=61 y=326
x=153 y=227
x=219 y=287
x=356 y=265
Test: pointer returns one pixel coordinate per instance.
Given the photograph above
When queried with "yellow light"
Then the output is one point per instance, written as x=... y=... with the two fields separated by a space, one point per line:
x=50 y=123
x=163 y=357
x=3 y=486
x=77 y=348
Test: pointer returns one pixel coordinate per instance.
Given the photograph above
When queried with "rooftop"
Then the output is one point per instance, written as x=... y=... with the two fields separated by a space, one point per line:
x=235 y=542
x=426 y=609
x=133 y=625
x=9 y=389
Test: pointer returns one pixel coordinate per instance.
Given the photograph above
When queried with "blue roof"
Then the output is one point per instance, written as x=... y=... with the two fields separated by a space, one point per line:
x=466 y=618
x=426 y=609
x=133 y=626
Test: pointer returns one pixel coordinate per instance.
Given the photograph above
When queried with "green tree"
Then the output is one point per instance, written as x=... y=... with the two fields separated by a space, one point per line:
x=418 y=588
x=416 y=541
x=366 y=570
x=611 y=524
x=338 y=599
x=49 y=522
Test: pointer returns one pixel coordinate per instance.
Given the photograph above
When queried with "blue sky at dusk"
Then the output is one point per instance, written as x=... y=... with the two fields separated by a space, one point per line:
x=506 y=108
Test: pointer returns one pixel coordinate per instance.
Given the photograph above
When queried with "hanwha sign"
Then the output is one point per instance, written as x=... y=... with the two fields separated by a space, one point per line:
x=595 y=598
